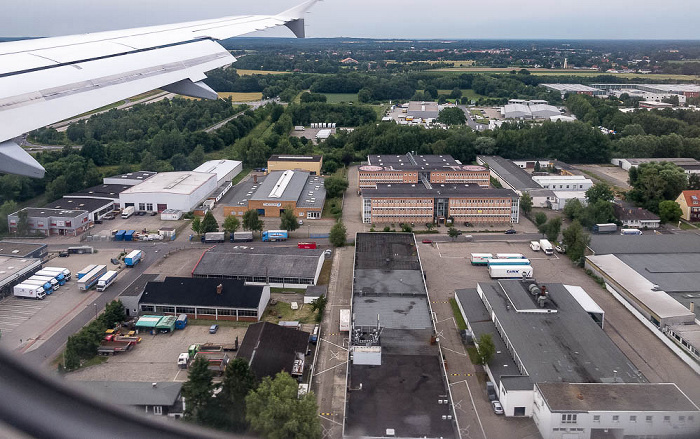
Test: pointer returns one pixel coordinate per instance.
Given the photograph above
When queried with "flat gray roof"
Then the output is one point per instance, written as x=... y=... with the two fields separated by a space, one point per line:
x=372 y=282
x=291 y=191
x=10 y=267
x=132 y=393
x=19 y=249
x=620 y=397
x=242 y=192
x=563 y=344
x=89 y=204
x=671 y=272
x=510 y=172
x=437 y=190
x=647 y=243
x=227 y=260
x=393 y=312
x=386 y=251
x=303 y=188
x=111 y=191
x=45 y=212
x=413 y=161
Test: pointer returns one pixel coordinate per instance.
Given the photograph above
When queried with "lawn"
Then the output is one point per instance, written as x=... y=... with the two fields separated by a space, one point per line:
x=325 y=277
x=283 y=311
x=458 y=315
x=329 y=205
x=240 y=176
x=336 y=98
x=244 y=72
x=242 y=97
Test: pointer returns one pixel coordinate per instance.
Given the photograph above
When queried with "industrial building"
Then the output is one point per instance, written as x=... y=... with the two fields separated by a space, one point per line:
x=689 y=165
x=129 y=179
x=564 y=182
x=512 y=311
x=514 y=177
x=13 y=249
x=689 y=201
x=599 y=410
x=392 y=357
x=685 y=90
x=103 y=192
x=422 y=110
x=159 y=399
x=169 y=190
x=529 y=111
x=225 y=170
x=298 y=191
x=96 y=207
x=212 y=299
x=580 y=89
x=635 y=217
x=14 y=270
x=310 y=163
x=270 y=349
x=278 y=267
x=427 y=203
x=50 y=222
x=656 y=278
x=414 y=168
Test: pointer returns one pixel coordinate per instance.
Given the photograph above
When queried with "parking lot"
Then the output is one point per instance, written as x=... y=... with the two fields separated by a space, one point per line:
x=151 y=224
x=25 y=323
x=155 y=358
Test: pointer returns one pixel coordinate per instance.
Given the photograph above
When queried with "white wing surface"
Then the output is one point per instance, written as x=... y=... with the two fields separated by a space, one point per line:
x=47 y=80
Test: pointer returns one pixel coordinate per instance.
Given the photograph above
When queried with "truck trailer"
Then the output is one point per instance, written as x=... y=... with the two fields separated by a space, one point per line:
x=241 y=237
x=106 y=280
x=480 y=258
x=127 y=212
x=48 y=288
x=523 y=261
x=510 y=271
x=546 y=247
x=630 y=232
x=85 y=271
x=344 y=320
x=212 y=237
x=306 y=245
x=274 y=235
x=133 y=258
x=52 y=280
x=86 y=282
x=48 y=273
x=64 y=271
x=605 y=228
x=29 y=291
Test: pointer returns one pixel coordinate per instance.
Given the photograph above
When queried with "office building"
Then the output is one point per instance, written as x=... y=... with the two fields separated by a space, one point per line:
x=49 y=222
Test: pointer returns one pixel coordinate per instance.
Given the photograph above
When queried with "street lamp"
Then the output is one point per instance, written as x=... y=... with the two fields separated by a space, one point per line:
x=95 y=304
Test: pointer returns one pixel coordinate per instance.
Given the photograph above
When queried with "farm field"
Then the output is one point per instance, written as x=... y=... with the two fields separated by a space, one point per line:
x=244 y=72
x=241 y=97
x=336 y=98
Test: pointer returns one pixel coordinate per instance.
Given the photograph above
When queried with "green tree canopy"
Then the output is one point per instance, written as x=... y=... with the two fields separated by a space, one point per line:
x=453 y=233
x=541 y=218
x=654 y=182
x=231 y=224
x=288 y=221
x=252 y=222
x=275 y=411
x=552 y=228
x=526 y=203
x=576 y=240
x=669 y=211
x=198 y=389
x=599 y=191
x=486 y=349
x=335 y=186
x=197 y=225
x=338 y=235
x=209 y=223
x=228 y=409
x=452 y=116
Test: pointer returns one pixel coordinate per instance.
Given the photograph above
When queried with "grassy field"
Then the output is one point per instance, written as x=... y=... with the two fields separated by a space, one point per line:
x=244 y=72
x=459 y=320
x=242 y=97
x=283 y=311
x=336 y=98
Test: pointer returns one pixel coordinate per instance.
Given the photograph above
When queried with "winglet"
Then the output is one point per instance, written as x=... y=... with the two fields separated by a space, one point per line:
x=15 y=160
x=294 y=17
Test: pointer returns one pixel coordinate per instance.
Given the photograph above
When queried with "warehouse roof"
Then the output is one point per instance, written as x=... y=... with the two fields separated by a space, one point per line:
x=620 y=397
x=559 y=343
x=510 y=172
x=436 y=190
x=575 y=88
x=11 y=267
x=672 y=272
x=187 y=291
x=271 y=348
x=183 y=183
x=219 y=167
x=110 y=191
x=294 y=158
x=136 y=175
x=133 y=392
x=413 y=161
x=386 y=251
x=45 y=212
x=652 y=244
x=643 y=290
x=19 y=249
x=392 y=282
x=424 y=110
x=392 y=312
x=284 y=186
x=259 y=261
x=89 y=204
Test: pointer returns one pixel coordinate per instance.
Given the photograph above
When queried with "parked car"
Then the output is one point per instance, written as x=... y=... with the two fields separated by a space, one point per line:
x=154 y=213
x=301 y=223
x=560 y=248
x=213 y=329
x=497 y=407
x=63 y=254
x=511 y=232
x=108 y=217
x=141 y=213
x=427 y=241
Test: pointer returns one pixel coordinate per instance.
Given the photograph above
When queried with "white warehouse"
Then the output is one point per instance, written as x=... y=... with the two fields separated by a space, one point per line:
x=225 y=170
x=170 y=190
x=564 y=182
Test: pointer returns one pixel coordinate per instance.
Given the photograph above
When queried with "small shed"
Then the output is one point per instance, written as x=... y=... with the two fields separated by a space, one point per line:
x=129 y=235
x=313 y=292
x=171 y=215
x=167 y=233
x=119 y=236
x=166 y=324
x=147 y=323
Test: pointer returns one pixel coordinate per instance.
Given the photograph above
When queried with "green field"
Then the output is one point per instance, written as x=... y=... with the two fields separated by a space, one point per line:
x=336 y=98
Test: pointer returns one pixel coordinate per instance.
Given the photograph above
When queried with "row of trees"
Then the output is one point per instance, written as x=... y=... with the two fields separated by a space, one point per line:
x=83 y=345
x=270 y=408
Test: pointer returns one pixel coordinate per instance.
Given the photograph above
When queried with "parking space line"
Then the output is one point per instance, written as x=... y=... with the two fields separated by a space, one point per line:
x=332 y=367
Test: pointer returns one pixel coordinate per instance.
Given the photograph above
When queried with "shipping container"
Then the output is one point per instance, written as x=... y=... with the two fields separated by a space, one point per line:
x=480 y=258
x=510 y=271
x=85 y=271
x=523 y=261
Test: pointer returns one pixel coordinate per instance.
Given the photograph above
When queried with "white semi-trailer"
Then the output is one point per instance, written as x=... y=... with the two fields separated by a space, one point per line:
x=510 y=271
x=29 y=291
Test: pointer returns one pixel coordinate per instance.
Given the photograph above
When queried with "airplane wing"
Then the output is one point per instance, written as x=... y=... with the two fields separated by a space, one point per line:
x=47 y=80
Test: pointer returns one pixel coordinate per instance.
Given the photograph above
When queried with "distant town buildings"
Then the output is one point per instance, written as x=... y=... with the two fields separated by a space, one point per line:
x=689 y=165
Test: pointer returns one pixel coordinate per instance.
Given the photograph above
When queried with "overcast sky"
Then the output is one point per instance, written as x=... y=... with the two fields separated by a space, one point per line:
x=448 y=19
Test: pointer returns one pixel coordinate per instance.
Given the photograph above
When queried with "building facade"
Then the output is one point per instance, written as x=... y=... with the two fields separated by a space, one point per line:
x=418 y=203
x=225 y=170
x=311 y=164
x=50 y=222
x=169 y=190
x=689 y=201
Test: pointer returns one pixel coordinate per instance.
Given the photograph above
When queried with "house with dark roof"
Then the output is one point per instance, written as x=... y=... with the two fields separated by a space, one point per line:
x=690 y=205
x=160 y=399
x=636 y=217
x=205 y=298
x=270 y=348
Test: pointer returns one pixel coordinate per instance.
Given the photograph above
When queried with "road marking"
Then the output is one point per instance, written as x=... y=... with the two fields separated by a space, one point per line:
x=332 y=367
x=439 y=301
x=455 y=352
x=460 y=375
x=478 y=418
x=330 y=342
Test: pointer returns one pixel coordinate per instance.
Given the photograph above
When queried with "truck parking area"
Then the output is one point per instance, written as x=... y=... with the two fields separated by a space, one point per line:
x=155 y=358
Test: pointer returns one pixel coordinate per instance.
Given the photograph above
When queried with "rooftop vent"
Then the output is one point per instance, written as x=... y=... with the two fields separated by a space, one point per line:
x=219 y=289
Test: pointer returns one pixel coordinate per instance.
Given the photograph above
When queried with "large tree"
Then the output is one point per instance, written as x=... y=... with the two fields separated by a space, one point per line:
x=251 y=221
x=231 y=224
x=599 y=191
x=576 y=240
x=275 y=411
x=486 y=348
x=669 y=211
x=229 y=410
x=452 y=116
x=552 y=228
x=198 y=389
x=197 y=225
x=526 y=203
x=338 y=235
x=654 y=182
x=335 y=186
x=209 y=223
x=453 y=233
x=288 y=221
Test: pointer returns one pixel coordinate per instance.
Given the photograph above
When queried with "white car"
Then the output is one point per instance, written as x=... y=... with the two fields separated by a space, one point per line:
x=497 y=407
